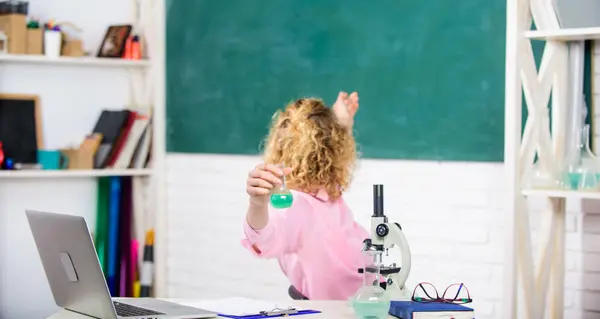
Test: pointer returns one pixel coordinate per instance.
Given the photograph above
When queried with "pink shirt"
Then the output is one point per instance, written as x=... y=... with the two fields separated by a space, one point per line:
x=317 y=243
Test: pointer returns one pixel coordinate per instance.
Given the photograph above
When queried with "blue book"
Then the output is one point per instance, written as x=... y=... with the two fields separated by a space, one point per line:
x=113 y=235
x=422 y=310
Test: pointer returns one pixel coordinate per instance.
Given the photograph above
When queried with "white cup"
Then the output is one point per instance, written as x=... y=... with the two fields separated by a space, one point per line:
x=52 y=43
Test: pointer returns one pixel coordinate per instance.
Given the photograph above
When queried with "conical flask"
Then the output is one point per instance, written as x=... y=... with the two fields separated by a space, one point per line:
x=371 y=301
x=582 y=168
x=281 y=196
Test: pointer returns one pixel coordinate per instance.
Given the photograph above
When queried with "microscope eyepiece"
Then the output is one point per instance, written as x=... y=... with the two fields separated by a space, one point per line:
x=378 y=200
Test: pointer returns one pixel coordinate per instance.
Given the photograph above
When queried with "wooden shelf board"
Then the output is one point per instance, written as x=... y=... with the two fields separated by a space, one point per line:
x=83 y=61
x=577 y=34
x=561 y=194
x=73 y=173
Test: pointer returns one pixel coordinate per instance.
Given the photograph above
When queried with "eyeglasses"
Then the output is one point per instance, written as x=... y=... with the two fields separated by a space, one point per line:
x=455 y=293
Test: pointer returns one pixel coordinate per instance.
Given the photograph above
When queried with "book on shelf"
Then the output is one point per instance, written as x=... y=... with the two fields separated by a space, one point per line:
x=126 y=142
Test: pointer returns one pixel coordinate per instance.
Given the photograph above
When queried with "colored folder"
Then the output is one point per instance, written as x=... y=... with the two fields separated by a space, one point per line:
x=262 y=316
x=113 y=268
x=101 y=234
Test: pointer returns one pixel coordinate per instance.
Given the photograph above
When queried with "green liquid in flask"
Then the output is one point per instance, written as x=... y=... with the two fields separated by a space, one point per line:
x=282 y=200
x=377 y=309
x=574 y=180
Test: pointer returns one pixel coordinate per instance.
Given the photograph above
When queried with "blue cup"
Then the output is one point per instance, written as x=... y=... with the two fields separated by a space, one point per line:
x=52 y=159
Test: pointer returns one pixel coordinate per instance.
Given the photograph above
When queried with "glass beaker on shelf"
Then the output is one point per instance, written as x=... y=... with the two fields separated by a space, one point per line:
x=588 y=180
x=371 y=301
x=542 y=177
x=582 y=168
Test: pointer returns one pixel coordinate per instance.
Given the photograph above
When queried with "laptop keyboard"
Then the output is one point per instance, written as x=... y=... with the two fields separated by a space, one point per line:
x=125 y=310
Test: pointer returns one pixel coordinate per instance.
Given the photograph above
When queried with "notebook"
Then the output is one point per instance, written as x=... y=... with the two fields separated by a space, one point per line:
x=110 y=124
x=437 y=310
x=246 y=308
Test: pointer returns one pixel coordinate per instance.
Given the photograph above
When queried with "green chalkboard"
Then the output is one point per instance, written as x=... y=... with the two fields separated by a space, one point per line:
x=430 y=74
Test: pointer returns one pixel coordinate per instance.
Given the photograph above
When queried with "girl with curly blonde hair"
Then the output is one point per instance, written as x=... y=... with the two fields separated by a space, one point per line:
x=316 y=241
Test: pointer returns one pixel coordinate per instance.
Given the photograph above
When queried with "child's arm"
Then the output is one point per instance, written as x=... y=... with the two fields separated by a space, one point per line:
x=269 y=234
x=261 y=181
x=257 y=215
x=281 y=233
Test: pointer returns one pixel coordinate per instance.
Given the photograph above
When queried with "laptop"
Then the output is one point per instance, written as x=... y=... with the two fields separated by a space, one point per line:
x=67 y=251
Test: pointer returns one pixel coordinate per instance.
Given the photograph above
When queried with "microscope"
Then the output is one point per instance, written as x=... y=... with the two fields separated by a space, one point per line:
x=386 y=236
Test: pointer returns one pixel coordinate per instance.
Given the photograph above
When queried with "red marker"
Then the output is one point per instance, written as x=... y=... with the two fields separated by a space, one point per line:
x=127 y=50
x=1 y=155
x=136 y=50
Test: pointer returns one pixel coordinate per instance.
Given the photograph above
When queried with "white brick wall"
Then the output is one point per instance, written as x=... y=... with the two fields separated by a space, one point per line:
x=452 y=214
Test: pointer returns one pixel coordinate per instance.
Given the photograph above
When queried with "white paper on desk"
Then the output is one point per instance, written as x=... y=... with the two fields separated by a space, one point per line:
x=238 y=306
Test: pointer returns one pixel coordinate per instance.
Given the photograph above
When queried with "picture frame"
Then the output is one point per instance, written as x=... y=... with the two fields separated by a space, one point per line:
x=114 y=40
x=21 y=130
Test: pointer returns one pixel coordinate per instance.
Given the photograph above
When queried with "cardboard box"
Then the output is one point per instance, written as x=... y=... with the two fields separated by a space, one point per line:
x=15 y=27
x=35 y=41
x=79 y=158
x=83 y=157
x=73 y=48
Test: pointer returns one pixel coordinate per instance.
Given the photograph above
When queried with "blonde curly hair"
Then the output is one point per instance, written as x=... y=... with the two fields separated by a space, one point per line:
x=308 y=137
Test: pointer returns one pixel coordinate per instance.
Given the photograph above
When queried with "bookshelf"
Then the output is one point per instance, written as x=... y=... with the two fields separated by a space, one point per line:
x=72 y=92
x=137 y=66
x=536 y=289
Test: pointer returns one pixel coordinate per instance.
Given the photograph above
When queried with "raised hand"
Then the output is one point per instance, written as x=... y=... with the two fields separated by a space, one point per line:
x=345 y=107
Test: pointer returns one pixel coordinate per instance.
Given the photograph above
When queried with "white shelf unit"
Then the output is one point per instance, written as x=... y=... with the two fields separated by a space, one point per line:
x=74 y=173
x=74 y=61
x=146 y=76
x=537 y=290
x=159 y=147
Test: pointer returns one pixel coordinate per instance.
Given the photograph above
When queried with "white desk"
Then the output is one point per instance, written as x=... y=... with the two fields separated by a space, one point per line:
x=329 y=309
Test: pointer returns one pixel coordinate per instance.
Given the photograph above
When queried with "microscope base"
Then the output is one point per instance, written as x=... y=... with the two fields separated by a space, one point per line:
x=396 y=294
